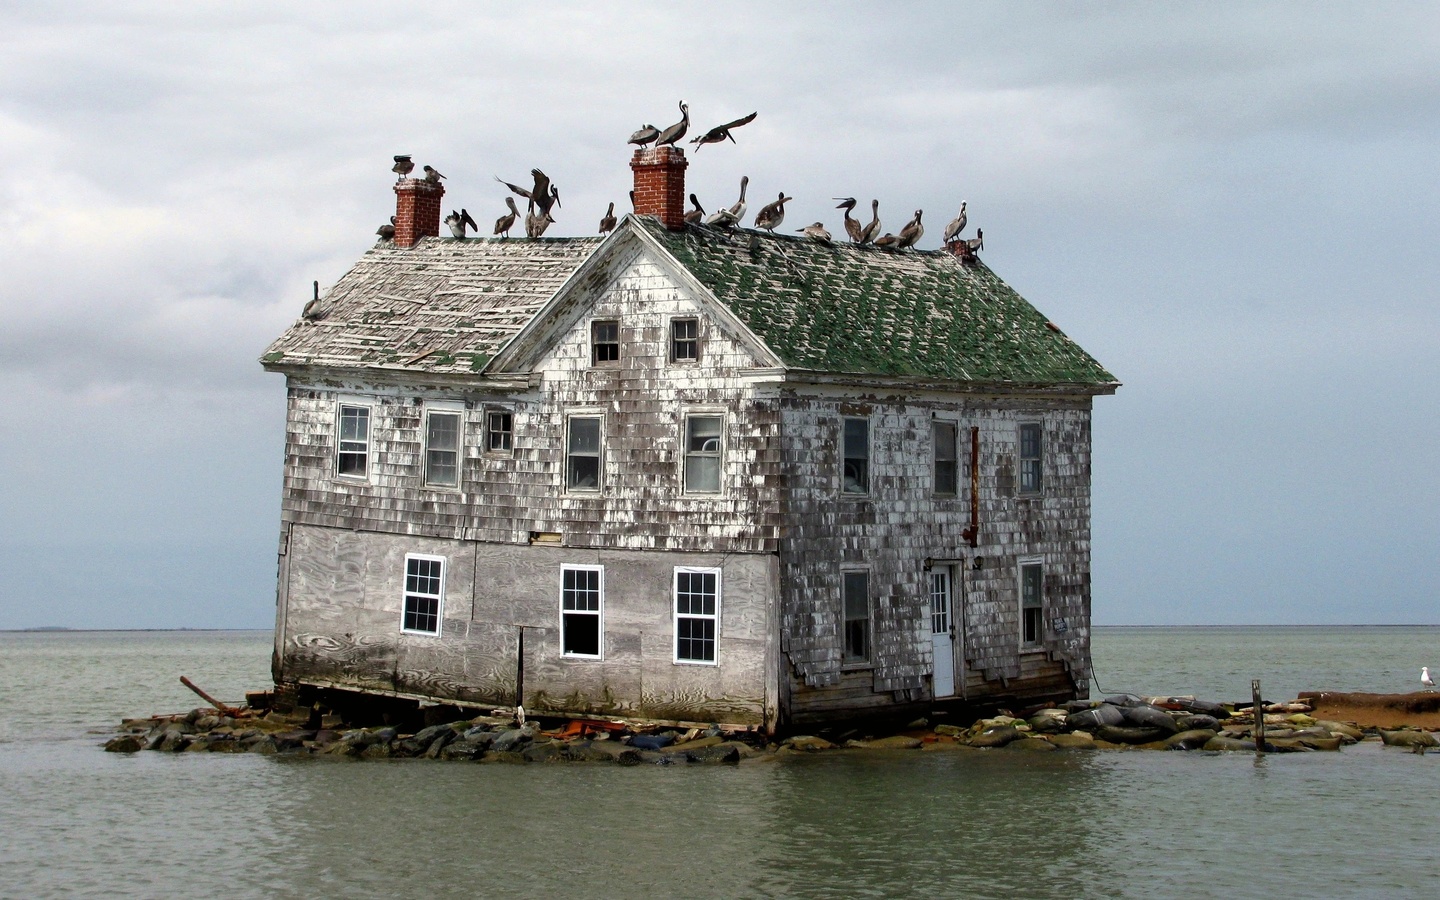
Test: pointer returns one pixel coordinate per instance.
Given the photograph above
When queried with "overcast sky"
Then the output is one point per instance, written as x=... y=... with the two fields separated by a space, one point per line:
x=1232 y=207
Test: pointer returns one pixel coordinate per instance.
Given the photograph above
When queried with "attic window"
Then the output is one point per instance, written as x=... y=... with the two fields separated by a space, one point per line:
x=604 y=342
x=684 y=340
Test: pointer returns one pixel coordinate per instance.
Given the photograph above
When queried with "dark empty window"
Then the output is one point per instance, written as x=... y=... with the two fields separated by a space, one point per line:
x=604 y=341
x=946 y=467
x=684 y=340
x=856 y=588
x=499 y=431
x=581 y=599
x=442 y=449
x=697 y=612
x=702 y=454
x=1030 y=459
x=856 y=475
x=1031 y=603
x=353 y=456
x=424 y=594
x=582 y=454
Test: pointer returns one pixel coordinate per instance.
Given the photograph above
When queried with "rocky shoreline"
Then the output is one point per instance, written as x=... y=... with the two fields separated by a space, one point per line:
x=1122 y=722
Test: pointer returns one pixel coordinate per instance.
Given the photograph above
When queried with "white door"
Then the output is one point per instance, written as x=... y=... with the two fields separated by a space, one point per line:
x=942 y=631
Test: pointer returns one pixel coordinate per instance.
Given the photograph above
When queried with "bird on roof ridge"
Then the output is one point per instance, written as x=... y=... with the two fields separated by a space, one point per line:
x=729 y=218
x=867 y=235
x=506 y=222
x=645 y=134
x=957 y=225
x=977 y=243
x=312 y=311
x=432 y=175
x=816 y=233
x=852 y=225
x=608 y=222
x=535 y=225
x=887 y=241
x=387 y=232
x=403 y=166
x=721 y=132
x=912 y=232
x=697 y=215
x=458 y=222
x=677 y=131
x=772 y=214
x=543 y=194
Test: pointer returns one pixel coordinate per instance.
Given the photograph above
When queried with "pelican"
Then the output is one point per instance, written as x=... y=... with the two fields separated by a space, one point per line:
x=543 y=194
x=458 y=222
x=608 y=223
x=431 y=175
x=888 y=241
x=535 y=225
x=957 y=225
x=977 y=243
x=506 y=222
x=632 y=201
x=677 y=131
x=646 y=134
x=868 y=235
x=770 y=217
x=312 y=309
x=729 y=218
x=403 y=166
x=387 y=232
x=852 y=226
x=912 y=232
x=696 y=215
x=721 y=132
x=1425 y=678
x=816 y=233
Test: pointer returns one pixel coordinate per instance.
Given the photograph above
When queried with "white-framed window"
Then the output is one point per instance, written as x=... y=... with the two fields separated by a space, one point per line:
x=685 y=340
x=703 y=438
x=1030 y=438
x=697 y=615
x=424 y=604
x=352 y=444
x=1032 y=602
x=499 y=431
x=855 y=605
x=855 y=449
x=605 y=342
x=442 y=445
x=583 y=452
x=582 y=611
x=946 y=458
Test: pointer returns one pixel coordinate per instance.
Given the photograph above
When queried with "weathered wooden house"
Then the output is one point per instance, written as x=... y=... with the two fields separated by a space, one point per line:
x=682 y=474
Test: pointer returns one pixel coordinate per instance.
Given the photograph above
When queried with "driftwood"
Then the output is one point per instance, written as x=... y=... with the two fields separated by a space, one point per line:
x=227 y=710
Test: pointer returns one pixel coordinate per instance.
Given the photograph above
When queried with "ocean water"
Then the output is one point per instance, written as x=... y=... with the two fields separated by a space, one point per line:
x=75 y=821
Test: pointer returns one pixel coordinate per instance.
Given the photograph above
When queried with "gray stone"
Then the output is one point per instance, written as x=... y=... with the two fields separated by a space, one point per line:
x=1197 y=721
x=894 y=742
x=1075 y=740
x=718 y=753
x=1091 y=719
x=462 y=748
x=808 y=743
x=1124 y=700
x=125 y=743
x=441 y=741
x=1031 y=744
x=508 y=741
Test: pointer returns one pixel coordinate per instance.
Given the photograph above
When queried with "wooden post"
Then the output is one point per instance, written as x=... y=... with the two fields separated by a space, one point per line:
x=520 y=670
x=1259 y=710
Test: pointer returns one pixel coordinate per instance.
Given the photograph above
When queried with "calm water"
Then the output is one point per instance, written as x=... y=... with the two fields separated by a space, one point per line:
x=79 y=822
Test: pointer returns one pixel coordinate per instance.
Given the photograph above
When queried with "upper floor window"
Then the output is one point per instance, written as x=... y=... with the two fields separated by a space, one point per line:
x=947 y=468
x=499 y=431
x=604 y=341
x=1031 y=451
x=424 y=594
x=855 y=476
x=582 y=454
x=697 y=614
x=702 y=454
x=582 y=610
x=1032 y=603
x=684 y=340
x=855 y=586
x=442 y=448
x=352 y=455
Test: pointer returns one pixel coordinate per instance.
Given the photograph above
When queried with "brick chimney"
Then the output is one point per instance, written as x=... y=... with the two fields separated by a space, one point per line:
x=660 y=185
x=417 y=210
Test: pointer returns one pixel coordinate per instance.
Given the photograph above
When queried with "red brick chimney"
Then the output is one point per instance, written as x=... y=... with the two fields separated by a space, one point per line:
x=660 y=185
x=417 y=210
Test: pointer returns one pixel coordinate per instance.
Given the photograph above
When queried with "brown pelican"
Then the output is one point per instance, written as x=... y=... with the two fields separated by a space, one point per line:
x=957 y=225
x=431 y=175
x=887 y=241
x=632 y=201
x=729 y=218
x=696 y=215
x=816 y=233
x=646 y=134
x=677 y=131
x=458 y=222
x=721 y=132
x=977 y=243
x=535 y=225
x=852 y=226
x=912 y=232
x=403 y=166
x=506 y=222
x=770 y=217
x=387 y=232
x=608 y=223
x=868 y=235
x=312 y=309
x=543 y=194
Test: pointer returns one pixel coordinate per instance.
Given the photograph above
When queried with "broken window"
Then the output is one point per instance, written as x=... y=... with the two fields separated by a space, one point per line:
x=604 y=341
x=582 y=454
x=1030 y=459
x=947 y=469
x=442 y=448
x=697 y=614
x=424 y=594
x=702 y=454
x=582 y=594
x=499 y=431
x=684 y=340
x=1032 y=603
x=353 y=449
x=856 y=474
x=856 y=590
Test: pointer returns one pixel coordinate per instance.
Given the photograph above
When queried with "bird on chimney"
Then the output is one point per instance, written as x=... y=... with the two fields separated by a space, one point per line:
x=852 y=225
x=912 y=232
x=977 y=243
x=721 y=132
x=387 y=232
x=957 y=225
x=506 y=222
x=458 y=222
x=816 y=233
x=887 y=241
x=646 y=134
x=677 y=131
x=772 y=214
x=543 y=194
x=867 y=236
x=607 y=224
x=312 y=311
x=535 y=224
x=403 y=166
x=697 y=215
x=431 y=175
x=729 y=218
x=632 y=201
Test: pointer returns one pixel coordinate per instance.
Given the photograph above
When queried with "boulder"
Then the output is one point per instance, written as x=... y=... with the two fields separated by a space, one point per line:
x=1144 y=716
x=1318 y=742
x=1047 y=724
x=125 y=743
x=510 y=741
x=651 y=741
x=1122 y=734
x=550 y=751
x=1225 y=743
x=716 y=753
x=587 y=751
x=442 y=740
x=1093 y=718
x=1031 y=744
x=1075 y=740
x=1408 y=738
x=995 y=737
x=1193 y=739
x=946 y=745
x=808 y=743
x=504 y=756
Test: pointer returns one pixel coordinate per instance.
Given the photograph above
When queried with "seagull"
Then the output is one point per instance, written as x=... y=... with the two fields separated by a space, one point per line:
x=646 y=134
x=387 y=232
x=696 y=215
x=431 y=175
x=729 y=218
x=770 y=216
x=677 y=131
x=1425 y=678
x=957 y=225
x=912 y=232
x=506 y=222
x=867 y=236
x=721 y=132
x=608 y=223
x=816 y=233
x=535 y=225
x=543 y=194
x=403 y=166
x=458 y=222
x=852 y=226
x=888 y=241
x=312 y=310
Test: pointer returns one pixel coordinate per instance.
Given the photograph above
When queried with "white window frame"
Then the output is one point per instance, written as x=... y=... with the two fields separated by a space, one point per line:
x=444 y=408
x=719 y=455
x=1021 y=564
x=598 y=613
x=488 y=431
x=847 y=662
x=935 y=457
x=676 y=615
x=599 y=487
x=869 y=456
x=406 y=594
x=1021 y=459
x=340 y=406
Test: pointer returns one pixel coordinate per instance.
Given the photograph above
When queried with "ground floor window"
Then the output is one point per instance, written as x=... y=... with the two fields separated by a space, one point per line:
x=697 y=615
x=582 y=601
x=1032 y=603
x=856 y=590
x=424 y=594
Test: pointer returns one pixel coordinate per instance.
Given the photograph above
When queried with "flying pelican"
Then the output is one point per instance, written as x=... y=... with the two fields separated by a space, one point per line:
x=1425 y=678
x=535 y=225
x=887 y=241
x=608 y=223
x=431 y=175
x=729 y=218
x=696 y=215
x=816 y=233
x=721 y=132
x=770 y=217
x=912 y=232
x=458 y=222
x=387 y=232
x=403 y=166
x=646 y=134
x=506 y=222
x=957 y=225
x=543 y=194
x=852 y=226
x=677 y=131
x=868 y=235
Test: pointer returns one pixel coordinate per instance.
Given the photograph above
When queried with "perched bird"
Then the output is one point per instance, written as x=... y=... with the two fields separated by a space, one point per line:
x=544 y=194
x=887 y=241
x=957 y=225
x=1425 y=678
x=535 y=224
x=852 y=226
x=608 y=223
x=431 y=175
x=771 y=215
x=646 y=134
x=867 y=236
x=816 y=233
x=677 y=131
x=506 y=222
x=912 y=232
x=387 y=232
x=977 y=243
x=632 y=201
x=696 y=215
x=729 y=218
x=403 y=166
x=312 y=311
x=458 y=222
x=721 y=132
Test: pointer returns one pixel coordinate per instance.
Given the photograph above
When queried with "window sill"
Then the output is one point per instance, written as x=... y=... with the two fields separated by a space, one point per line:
x=582 y=657
x=696 y=662
x=857 y=667
x=412 y=633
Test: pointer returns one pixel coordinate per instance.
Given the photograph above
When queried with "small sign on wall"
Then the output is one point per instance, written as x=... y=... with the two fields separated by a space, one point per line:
x=1060 y=625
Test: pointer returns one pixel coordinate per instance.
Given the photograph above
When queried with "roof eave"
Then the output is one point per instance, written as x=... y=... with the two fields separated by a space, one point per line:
x=926 y=383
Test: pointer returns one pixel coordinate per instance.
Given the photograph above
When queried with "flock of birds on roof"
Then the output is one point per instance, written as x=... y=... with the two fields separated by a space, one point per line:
x=543 y=196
